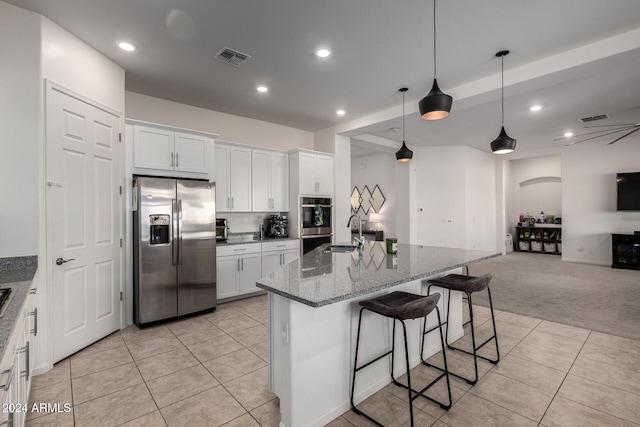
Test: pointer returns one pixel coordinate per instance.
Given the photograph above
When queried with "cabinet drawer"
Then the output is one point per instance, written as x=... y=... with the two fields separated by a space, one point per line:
x=230 y=250
x=280 y=245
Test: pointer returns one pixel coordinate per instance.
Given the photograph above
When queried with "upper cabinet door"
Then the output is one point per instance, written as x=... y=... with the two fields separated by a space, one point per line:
x=324 y=175
x=192 y=153
x=153 y=148
x=240 y=179
x=260 y=177
x=279 y=182
x=307 y=166
x=223 y=199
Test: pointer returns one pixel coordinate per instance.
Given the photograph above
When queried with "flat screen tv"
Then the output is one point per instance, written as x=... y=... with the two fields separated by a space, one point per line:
x=628 y=191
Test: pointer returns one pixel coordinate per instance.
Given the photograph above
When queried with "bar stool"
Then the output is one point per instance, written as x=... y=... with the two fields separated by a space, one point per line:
x=468 y=285
x=402 y=306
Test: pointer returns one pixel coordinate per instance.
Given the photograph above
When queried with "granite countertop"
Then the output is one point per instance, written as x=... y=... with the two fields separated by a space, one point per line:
x=15 y=273
x=320 y=278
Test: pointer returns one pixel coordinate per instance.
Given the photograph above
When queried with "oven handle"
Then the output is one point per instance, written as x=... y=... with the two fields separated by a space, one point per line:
x=313 y=206
x=316 y=236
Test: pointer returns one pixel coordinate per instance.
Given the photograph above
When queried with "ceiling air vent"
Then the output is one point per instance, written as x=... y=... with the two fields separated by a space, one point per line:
x=233 y=57
x=593 y=118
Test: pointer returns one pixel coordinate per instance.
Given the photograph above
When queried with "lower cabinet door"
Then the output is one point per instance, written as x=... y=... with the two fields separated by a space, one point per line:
x=290 y=255
x=250 y=272
x=227 y=276
x=270 y=262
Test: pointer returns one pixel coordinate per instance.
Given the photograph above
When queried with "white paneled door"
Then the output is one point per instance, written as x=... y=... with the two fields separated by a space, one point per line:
x=83 y=220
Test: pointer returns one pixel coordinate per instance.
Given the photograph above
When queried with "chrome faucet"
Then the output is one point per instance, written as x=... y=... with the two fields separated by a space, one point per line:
x=358 y=239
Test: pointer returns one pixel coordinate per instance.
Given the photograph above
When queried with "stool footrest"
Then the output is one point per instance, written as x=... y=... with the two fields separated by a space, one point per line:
x=450 y=373
x=374 y=360
x=427 y=387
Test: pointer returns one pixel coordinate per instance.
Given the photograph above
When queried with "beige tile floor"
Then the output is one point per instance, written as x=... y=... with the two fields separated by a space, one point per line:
x=211 y=370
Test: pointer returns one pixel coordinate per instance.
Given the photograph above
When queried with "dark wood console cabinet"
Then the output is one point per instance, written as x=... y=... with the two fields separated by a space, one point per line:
x=626 y=251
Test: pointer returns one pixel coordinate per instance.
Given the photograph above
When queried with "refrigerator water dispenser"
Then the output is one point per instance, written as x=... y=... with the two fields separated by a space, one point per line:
x=159 y=229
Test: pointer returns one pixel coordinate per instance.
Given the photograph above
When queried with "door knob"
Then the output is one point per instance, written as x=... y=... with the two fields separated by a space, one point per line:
x=61 y=261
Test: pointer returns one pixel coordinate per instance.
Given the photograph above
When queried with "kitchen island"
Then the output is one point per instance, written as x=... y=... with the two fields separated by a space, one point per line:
x=313 y=315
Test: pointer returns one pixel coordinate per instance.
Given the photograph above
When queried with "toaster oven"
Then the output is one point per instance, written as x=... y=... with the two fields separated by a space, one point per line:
x=222 y=229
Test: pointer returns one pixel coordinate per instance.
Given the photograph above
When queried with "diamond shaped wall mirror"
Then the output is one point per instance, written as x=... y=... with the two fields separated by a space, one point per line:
x=377 y=199
x=355 y=199
x=365 y=200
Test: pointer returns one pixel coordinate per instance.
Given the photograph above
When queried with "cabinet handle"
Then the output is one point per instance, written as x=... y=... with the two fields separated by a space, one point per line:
x=177 y=154
x=171 y=159
x=232 y=202
x=25 y=350
x=34 y=313
x=7 y=384
x=238 y=266
x=242 y=263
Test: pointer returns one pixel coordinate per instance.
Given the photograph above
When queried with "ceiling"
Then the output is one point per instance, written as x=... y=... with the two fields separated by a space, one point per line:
x=377 y=47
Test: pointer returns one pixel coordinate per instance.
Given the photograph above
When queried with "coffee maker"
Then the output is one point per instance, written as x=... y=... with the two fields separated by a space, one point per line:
x=277 y=226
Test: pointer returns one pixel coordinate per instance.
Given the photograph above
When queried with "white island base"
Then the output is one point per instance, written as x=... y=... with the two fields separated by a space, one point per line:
x=311 y=351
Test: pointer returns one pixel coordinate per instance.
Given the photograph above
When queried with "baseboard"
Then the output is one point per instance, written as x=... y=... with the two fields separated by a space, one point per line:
x=585 y=261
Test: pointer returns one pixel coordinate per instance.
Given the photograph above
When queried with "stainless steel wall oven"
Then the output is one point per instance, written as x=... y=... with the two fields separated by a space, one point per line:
x=315 y=222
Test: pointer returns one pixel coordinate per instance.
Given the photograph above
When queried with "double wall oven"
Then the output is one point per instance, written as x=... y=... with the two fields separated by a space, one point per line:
x=316 y=222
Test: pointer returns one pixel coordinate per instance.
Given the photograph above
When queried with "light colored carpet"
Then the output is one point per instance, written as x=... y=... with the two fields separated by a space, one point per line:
x=543 y=286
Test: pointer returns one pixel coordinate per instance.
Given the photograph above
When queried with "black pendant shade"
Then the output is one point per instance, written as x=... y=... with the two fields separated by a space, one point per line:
x=503 y=144
x=436 y=105
x=403 y=155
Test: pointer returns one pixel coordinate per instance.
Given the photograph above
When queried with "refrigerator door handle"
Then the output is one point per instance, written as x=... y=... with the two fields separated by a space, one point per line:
x=174 y=232
x=180 y=231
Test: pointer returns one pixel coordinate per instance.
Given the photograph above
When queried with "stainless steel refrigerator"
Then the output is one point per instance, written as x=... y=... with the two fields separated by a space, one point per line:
x=174 y=248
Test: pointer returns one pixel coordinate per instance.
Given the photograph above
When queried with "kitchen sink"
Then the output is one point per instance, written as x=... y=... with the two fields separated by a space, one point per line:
x=341 y=248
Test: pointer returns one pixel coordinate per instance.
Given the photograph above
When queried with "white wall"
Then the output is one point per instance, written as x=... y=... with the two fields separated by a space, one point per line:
x=21 y=124
x=456 y=197
x=480 y=200
x=378 y=169
x=230 y=128
x=535 y=185
x=589 y=198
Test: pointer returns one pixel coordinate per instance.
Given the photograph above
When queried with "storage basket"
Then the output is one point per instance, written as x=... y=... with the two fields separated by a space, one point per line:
x=523 y=245
x=536 y=246
x=550 y=247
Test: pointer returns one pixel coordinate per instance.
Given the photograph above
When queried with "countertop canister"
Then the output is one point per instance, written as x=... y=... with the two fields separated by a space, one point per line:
x=392 y=245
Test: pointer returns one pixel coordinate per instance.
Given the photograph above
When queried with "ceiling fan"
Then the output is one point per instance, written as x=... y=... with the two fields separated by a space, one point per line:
x=628 y=128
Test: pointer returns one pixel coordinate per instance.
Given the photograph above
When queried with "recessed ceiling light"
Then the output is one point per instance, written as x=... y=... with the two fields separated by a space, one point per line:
x=126 y=46
x=323 y=52
x=536 y=108
x=341 y=112
x=262 y=89
x=568 y=134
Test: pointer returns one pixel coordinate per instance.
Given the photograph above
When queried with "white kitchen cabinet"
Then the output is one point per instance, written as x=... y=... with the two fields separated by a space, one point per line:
x=239 y=268
x=166 y=151
x=233 y=178
x=17 y=366
x=270 y=181
x=278 y=253
x=313 y=171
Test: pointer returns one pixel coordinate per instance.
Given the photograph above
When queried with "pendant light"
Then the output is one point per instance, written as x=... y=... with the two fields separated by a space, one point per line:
x=503 y=144
x=436 y=105
x=403 y=155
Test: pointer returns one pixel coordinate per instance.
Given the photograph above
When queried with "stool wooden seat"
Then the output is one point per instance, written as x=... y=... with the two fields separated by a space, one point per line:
x=402 y=306
x=468 y=285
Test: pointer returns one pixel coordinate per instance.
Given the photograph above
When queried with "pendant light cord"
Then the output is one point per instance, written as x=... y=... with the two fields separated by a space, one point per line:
x=502 y=58
x=434 y=39
x=403 y=116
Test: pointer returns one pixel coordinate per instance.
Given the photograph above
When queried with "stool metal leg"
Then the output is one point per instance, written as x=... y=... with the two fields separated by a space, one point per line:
x=410 y=390
x=473 y=337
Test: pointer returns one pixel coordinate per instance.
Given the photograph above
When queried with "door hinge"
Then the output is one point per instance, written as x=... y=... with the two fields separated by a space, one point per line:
x=120 y=242
x=120 y=137
x=120 y=295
